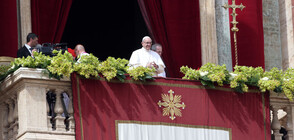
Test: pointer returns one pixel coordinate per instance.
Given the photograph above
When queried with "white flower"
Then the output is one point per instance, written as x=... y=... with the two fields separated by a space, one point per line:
x=203 y=73
x=264 y=78
x=233 y=75
x=12 y=67
x=286 y=79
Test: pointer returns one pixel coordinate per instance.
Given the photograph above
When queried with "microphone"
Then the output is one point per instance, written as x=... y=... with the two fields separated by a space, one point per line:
x=38 y=47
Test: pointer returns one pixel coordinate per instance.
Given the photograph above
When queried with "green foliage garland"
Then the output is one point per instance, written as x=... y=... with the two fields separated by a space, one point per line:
x=89 y=66
x=142 y=73
x=112 y=67
x=61 y=65
x=242 y=77
x=207 y=74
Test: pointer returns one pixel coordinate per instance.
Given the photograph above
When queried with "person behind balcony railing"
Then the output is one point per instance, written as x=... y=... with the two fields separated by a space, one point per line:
x=28 y=48
x=158 y=48
x=80 y=51
x=146 y=57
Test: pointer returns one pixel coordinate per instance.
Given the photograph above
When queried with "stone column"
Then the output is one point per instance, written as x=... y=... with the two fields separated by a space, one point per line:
x=289 y=124
x=209 y=51
x=271 y=29
x=32 y=109
x=24 y=20
x=286 y=28
x=58 y=109
x=276 y=126
x=5 y=124
x=3 y=121
x=71 y=113
x=223 y=34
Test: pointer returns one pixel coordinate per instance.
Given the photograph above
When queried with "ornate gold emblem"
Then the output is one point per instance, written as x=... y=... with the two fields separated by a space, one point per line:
x=172 y=105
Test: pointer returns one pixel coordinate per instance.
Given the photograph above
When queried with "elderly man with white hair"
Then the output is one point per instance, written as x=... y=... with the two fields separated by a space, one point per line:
x=80 y=51
x=158 y=48
x=146 y=57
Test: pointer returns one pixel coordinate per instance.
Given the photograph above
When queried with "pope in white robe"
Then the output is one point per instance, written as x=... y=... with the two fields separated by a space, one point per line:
x=146 y=57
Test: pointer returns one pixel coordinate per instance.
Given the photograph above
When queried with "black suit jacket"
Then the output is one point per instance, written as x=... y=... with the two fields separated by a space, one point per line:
x=23 y=51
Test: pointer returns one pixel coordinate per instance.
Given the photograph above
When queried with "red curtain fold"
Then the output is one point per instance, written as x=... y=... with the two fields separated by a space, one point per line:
x=8 y=28
x=49 y=19
x=250 y=36
x=175 y=25
x=98 y=104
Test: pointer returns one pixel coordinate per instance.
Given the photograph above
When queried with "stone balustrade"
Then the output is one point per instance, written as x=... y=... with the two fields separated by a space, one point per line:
x=279 y=102
x=25 y=112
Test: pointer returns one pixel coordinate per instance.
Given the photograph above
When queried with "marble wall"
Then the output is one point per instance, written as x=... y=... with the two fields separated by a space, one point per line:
x=223 y=34
x=271 y=27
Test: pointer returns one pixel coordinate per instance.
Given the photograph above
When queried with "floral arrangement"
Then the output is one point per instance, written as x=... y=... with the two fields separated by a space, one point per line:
x=62 y=64
x=142 y=73
x=112 y=67
x=87 y=66
x=207 y=74
x=242 y=77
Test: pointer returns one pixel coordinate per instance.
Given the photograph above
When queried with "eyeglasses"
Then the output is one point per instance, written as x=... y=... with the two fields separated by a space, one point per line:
x=148 y=42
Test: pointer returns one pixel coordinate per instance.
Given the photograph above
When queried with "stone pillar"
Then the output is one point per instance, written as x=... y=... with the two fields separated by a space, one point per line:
x=71 y=113
x=5 y=124
x=58 y=109
x=24 y=20
x=286 y=28
x=289 y=124
x=276 y=126
x=209 y=51
x=32 y=109
x=271 y=29
x=223 y=34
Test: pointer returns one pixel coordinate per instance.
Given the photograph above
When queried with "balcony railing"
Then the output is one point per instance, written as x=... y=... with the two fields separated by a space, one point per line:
x=33 y=106
x=25 y=111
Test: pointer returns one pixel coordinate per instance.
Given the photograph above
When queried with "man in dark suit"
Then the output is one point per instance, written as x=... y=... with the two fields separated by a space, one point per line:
x=26 y=50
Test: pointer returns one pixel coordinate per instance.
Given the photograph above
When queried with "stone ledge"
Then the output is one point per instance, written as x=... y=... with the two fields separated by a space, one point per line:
x=46 y=135
x=28 y=73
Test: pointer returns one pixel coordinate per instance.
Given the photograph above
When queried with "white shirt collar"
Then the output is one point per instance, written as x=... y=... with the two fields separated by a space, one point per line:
x=28 y=46
x=145 y=49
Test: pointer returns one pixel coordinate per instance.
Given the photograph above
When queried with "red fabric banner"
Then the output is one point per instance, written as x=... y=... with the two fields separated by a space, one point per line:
x=8 y=28
x=250 y=40
x=99 y=104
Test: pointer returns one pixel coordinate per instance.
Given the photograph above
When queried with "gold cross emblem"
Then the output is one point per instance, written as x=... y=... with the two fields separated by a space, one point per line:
x=172 y=105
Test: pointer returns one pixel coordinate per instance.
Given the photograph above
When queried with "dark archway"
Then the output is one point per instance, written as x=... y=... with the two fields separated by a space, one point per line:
x=105 y=28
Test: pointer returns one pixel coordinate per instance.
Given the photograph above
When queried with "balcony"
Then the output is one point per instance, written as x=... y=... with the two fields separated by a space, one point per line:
x=33 y=106
x=25 y=113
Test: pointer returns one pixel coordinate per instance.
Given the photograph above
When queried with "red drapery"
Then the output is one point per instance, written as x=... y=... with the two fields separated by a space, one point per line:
x=250 y=35
x=99 y=104
x=175 y=25
x=8 y=28
x=49 y=19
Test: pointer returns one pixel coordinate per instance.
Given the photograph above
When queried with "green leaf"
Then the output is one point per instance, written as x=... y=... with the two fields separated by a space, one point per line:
x=207 y=83
x=239 y=89
x=278 y=89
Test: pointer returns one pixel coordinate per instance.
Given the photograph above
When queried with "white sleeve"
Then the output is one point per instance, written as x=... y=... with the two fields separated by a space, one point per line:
x=159 y=61
x=134 y=60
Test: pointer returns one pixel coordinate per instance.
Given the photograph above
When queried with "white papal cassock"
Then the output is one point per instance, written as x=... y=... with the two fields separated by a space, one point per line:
x=142 y=57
